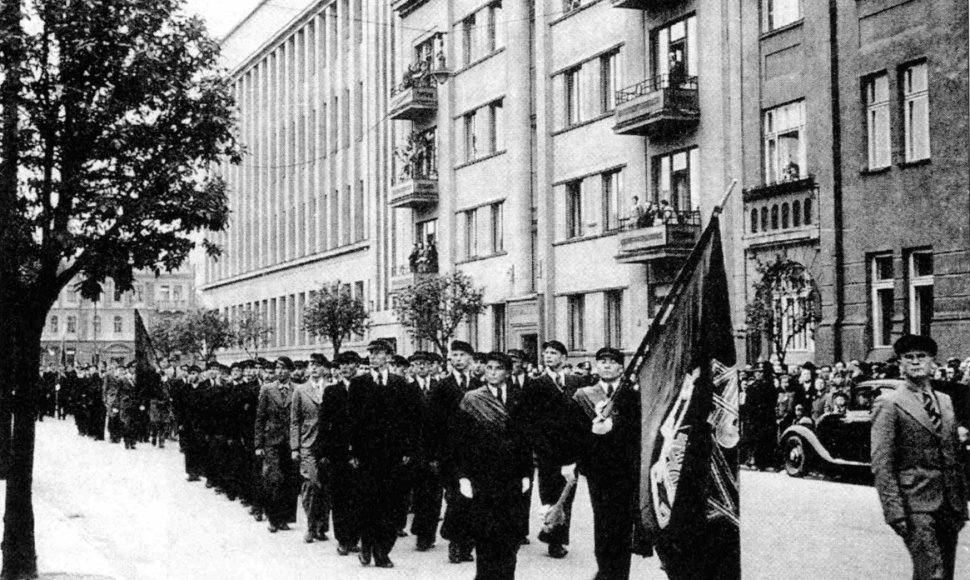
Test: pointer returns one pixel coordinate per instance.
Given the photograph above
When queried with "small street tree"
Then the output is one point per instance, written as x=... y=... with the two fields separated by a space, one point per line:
x=113 y=114
x=334 y=313
x=203 y=332
x=251 y=333
x=164 y=335
x=433 y=308
x=785 y=304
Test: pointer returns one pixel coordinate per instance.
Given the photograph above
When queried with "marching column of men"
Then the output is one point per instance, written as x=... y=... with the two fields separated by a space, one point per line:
x=367 y=442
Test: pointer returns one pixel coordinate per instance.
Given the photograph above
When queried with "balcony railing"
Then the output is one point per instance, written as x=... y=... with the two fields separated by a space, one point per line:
x=782 y=212
x=416 y=98
x=657 y=105
x=669 y=237
x=415 y=191
x=171 y=305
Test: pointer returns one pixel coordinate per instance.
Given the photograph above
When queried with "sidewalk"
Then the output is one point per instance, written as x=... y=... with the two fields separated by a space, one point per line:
x=63 y=553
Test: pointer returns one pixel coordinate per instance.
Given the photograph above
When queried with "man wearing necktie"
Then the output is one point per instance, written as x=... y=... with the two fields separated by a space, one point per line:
x=426 y=487
x=281 y=487
x=914 y=460
x=608 y=455
x=384 y=431
x=520 y=378
x=304 y=430
x=332 y=452
x=549 y=407
x=493 y=465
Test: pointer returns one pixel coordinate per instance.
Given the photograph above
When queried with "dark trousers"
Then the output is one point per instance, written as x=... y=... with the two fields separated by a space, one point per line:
x=551 y=484
x=457 y=522
x=97 y=421
x=380 y=489
x=344 y=493
x=426 y=493
x=496 y=558
x=932 y=544
x=281 y=484
x=193 y=448
x=613 y=511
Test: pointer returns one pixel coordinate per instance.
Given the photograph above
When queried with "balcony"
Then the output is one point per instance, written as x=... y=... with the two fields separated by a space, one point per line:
x=641 y=4
x=405 y=7
x=781 y=213
x=673 y=238
x=657 y=106
x=416 y=98
x=171 y=305
x=403 y=278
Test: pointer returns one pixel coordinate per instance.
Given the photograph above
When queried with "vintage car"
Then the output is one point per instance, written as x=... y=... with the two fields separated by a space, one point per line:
x=836 y=439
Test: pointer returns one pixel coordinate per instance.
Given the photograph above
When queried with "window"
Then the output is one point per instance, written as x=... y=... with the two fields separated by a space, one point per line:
x=676 y=179
x=498 y=326
x=71 y=324
x=797 y=336
x=471 y=148
x=118 y=325
x=54 y=324
x=778 y=13
x=425 y=52
x=469 y=51
x=916 y=112
x=570 y=5
x=674 y=52
x=427 y=231
x=471 y=234
x=140 y=292
x=117 y=293
x=573 y=91
x=613 y=332
x=471 y=328
x=72 y=295
x=609 y=80
x=497 y=229
x=493 y=11
x=96 y=323
x=921 y=292
x=496 y=137
x=163 y=293
x=177 y=292
x=576 y=313
x=784 y=151
x=882 y=300
x=876 y=95
x=612 y=194
x=574 y=209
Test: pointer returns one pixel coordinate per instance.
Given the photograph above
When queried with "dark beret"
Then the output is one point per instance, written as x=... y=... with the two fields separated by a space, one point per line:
x=911 y=342
x=285 y=362
x=499 y=357
x=379 y=344
x=195 y=369
x=400 y=361
x=480 y=357
x=301 y=364
x=318 y=359
x=462 y=346
x=611 y=353
x=517 y=354
x=237 y=365
x=419 y=355
x=809 y=366
x=347 y=357
x=555 y=345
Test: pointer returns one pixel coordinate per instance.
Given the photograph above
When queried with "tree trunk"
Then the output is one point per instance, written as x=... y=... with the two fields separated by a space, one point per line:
x=20 y=333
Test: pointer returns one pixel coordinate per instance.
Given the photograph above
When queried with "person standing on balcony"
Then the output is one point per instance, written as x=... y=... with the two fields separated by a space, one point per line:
x=676 y=73
x=638 y=213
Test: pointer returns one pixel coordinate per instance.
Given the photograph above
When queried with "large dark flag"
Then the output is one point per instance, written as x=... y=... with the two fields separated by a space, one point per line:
x=689 y=394
x=145 y=359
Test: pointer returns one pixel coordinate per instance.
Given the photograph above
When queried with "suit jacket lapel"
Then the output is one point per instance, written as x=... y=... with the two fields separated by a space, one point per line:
x=912 y=403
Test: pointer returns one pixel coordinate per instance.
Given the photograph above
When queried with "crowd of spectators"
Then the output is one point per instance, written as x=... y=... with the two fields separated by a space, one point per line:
x=774 y=397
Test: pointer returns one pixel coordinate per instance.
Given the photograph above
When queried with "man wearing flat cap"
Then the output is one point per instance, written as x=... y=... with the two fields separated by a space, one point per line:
x=548 y=404
x=442 y=409
x=914 y=460
x=608 y=455
x=384 y=433
x=188 y=399
x=272 y=442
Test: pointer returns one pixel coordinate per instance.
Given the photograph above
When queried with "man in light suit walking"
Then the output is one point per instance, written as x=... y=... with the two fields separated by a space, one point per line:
x=914 y=460
x=304 y=430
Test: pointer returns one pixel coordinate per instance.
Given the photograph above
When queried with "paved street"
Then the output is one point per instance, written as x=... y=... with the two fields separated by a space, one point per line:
x=110 y=513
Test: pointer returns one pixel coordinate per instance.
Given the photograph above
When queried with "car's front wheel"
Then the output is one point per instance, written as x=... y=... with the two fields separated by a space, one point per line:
x=797 y=456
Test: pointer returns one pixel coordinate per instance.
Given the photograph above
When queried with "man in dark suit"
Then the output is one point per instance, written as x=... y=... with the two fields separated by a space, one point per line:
x=548 y=403
x=384 y=431
x=493 y=468
x=442 y=409
x=187 y=401
x=332 y=452
x=425 y=483
x=608 y=452
x=272 y=442
x=520 y=378
x=914 y=459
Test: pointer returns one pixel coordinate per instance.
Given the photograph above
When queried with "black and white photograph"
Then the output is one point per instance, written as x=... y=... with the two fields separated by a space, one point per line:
x=484 y=289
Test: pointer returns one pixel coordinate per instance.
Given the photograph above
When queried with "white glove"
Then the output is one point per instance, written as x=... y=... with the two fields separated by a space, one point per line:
x=525 y=484
x=568 y=471
x=465 y=487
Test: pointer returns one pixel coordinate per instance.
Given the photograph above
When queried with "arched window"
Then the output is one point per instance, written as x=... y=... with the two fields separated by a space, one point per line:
x=118 y=325
x=796 y=214
x=764 y=219
x=808 y=211
x=754 y=221
x=784 y=216
x=774 y=217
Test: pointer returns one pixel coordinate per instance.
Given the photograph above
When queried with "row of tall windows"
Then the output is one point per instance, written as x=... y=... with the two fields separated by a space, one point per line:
x=71 y=325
